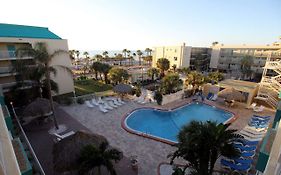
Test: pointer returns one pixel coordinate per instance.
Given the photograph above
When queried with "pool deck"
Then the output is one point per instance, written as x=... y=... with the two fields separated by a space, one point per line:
x=150 y=152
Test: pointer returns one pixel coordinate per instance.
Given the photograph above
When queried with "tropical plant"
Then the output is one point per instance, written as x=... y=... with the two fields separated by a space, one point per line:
x=158 y=97
x=215 y=77
x=118 y=75
x=72 y=54
x=97 y=66
x=129 y=57
x=148 y=51
x=171 y=83
x=174 y=67
x=163 y=64
x=139 y=53
x=77 y=52
x=148 y=59
x=153 y=72
x=195 y=78
x=246 y=63
x=43 y=60
x=93 y=157
x=202 y=143
x=86 y=54
x=98 y=57
x=104 y=69
x=184 y=70
x=105 y=54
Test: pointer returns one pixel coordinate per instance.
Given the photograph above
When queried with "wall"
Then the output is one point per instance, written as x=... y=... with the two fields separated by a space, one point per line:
x=63 y=78
x=172 y=97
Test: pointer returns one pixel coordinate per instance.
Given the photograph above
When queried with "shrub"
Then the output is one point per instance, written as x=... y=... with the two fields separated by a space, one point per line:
x=158 y=97
x=80 y=101
x=138 y=91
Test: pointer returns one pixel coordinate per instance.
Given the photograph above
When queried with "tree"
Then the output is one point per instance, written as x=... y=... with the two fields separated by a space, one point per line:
x=163 y=64
x=202 y=143
x=43 y=60
x=96 y=66
x=98 y=57
x=86 y=54
x=158 y=97
x=139 y=53
x=93 y=157
x=170 y=83
x=184 y=70
x=72 y=54
x=246 y=63
x=118 y=75
x=105 y=54
x=148 y=51
x=105 y=70
x=129 y=56
x=174 y=67
x=195 y=78
x=152 y=72
x=215 y=43
x=215 y=76
x=77 y=52
x=148 y=59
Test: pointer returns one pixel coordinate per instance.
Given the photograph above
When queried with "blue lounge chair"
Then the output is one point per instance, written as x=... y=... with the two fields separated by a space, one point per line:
x=210 y=96
x=259 y=120
x=248 y=154
x=258 y=125
x=237 y=167
x=245 y=148
x=247 y=142
x=261 y=117
x=243 y=161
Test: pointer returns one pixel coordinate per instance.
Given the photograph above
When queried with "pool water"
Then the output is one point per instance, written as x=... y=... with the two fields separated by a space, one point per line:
x=167 y=124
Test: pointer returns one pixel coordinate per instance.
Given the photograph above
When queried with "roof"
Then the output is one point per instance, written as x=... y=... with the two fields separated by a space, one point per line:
x=244 y=86
x=22 y=31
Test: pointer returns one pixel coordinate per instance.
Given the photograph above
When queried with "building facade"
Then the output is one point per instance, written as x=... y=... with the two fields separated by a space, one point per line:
x=227 y=58
x=195 y=58
x=13 y=37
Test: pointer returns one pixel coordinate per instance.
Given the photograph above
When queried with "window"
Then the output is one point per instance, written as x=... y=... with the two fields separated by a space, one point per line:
x=175 y=58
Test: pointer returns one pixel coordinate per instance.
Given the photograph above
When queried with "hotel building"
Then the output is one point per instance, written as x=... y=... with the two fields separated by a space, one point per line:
x=195 y=58
x=13 y=37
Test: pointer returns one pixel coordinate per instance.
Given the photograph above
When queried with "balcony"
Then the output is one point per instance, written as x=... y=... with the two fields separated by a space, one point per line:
x=6 y=71
x=11 y=55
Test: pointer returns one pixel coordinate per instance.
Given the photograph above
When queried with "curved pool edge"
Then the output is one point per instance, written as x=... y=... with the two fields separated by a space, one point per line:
x=132 y=131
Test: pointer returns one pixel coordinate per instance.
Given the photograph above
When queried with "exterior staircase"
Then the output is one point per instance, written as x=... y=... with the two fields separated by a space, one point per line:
x=270 y=86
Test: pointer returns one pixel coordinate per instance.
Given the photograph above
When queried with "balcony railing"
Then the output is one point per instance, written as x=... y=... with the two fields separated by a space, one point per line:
x=11 y=55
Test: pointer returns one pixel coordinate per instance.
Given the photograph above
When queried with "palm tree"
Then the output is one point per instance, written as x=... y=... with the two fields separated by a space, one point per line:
x=139 y=53
x=163 y=64
x=202 y=143
x=215 y=76
x=195 y=78
x=105 y=69
x=98 y=57
x=171 y=83
x=72 y=54
x=134 y=55
x=43 y=60
x=128 y=55
x=152 y=72
x=96 y=66
x=246 y=64
x=93 y=157
x=148 y=51
x=77 y=52
x=86 y=54
x=118 y=75
x=105 y=54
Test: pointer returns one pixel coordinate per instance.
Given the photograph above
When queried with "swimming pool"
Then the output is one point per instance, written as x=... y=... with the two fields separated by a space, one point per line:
x=165 y=125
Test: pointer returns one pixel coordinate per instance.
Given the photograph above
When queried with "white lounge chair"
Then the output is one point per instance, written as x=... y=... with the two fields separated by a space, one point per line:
x=89 y=104
x=63 y=136
x=259 y=108
x=116 y=102
x=100 y=101
x=102 y=109
x=120 y=101
x=94 y=102
x=112 y=104
x=254 y=129
x=214 y=98
x=251 y=138
x=106 y=106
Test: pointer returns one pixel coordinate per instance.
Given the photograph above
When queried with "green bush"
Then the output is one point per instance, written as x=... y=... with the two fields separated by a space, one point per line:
x=138 y=91
x=80 y=101
x=158 y=97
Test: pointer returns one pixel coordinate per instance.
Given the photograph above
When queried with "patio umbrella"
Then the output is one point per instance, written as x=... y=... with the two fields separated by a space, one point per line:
x=231 y=94
x=122 y=88
x=66 y=151
x=37 y=108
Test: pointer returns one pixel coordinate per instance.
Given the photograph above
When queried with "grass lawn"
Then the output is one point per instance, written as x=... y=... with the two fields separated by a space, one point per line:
x=83 y=87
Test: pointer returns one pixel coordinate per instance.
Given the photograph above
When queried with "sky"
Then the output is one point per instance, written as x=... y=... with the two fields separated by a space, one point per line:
x=138 y=24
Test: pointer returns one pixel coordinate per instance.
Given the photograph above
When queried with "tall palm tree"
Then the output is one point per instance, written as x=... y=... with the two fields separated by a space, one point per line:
x=125 y=52
x=139 y=53
x=202 y=143
x=163 y=64
x=77 y=52
x=43 y=61
x=148 y=51
x=134 y=55
x=96 y=66
x=128 y=54
x=152 y=72
x=105 y=54
x=98 y=57
x=93 y=157
x=86 y=54
x=105 y=69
